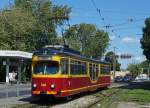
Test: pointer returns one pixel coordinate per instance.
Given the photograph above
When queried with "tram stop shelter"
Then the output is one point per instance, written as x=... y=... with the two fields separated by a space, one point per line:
x=13 y=61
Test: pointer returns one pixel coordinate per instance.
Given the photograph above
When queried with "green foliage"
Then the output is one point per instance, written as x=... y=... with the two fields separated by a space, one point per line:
x=144 y=64
x=47 y=16
x=138 y=68
x=109 y=58
x=135 y=69
x=87 y=39
x=31 y=24
x=135 y=95
x=15 y=25
x=145 y=41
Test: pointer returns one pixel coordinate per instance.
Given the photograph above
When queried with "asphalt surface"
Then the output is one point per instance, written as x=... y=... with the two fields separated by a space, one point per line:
x=14 y=90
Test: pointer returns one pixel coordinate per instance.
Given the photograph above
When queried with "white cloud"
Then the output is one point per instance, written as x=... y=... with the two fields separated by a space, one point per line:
x=139 y=58
x=112 y=37
x=130 y=40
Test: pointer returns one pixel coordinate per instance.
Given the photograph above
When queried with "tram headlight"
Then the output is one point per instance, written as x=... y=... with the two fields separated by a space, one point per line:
x=52 y=86
x=34 y=85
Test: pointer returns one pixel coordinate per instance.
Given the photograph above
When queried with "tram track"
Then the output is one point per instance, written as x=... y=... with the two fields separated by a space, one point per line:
x=92 y=99
x=105 y=96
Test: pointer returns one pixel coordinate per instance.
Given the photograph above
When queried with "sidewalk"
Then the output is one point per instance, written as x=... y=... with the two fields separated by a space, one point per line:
x=9 y=86
x=9 y=102
x=3 y=85
x=13 y=90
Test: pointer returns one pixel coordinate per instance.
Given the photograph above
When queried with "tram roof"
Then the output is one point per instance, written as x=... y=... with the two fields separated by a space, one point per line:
x=65 y=51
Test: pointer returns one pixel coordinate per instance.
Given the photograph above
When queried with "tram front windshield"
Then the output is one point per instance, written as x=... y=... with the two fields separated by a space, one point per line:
x=45 y=67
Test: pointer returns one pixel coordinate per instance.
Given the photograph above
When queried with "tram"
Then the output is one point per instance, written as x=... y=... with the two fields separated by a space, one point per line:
x=60 y=71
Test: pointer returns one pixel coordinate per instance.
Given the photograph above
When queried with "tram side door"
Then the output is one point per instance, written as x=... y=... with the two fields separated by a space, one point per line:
x=96 y=72
x=93 y=72
x=65 y=68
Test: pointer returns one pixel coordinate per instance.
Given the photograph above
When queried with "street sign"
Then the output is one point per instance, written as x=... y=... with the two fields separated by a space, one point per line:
x=125 y=56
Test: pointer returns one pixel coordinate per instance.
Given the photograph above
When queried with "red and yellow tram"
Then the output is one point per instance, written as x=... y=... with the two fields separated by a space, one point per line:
x=62 y=72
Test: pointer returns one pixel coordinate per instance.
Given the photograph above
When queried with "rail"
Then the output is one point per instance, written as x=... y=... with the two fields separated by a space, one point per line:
x=105 y=95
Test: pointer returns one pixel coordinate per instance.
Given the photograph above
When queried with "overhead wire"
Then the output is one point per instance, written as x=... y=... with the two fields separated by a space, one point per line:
x=121 y=24
x=99 y=11
x=102 y=18
x=111 y=11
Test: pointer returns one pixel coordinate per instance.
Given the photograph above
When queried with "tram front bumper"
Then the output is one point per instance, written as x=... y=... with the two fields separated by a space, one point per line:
x=44 y=92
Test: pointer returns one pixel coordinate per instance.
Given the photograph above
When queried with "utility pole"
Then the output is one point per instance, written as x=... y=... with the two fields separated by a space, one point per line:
x=149 y=69
x=114 y=64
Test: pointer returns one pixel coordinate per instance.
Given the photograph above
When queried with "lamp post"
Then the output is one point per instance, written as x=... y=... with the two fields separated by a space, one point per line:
x=19 y=75
x=114 y=65
x=149 y=69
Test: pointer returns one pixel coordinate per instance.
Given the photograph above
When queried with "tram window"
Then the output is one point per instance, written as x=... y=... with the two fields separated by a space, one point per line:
x=72 y=67
x=97 y=70
x=77 y=67
x=83 y=68
x=83 y=65
x=105 y=69
x=45 y=67
x=64 y=66
x=90 y=70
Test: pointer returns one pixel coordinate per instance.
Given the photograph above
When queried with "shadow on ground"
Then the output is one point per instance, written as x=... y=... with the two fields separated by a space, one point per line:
x=145 y=85
x=51 y=101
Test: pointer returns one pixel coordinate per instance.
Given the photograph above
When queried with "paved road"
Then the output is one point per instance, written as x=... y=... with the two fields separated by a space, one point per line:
x=13 y=101
x=14 y=90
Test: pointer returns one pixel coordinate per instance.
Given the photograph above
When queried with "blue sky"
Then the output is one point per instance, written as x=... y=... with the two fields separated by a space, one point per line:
x=126 y=18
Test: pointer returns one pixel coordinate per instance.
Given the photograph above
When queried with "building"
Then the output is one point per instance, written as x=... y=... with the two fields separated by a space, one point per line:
x=119 y=73
x=13 y=62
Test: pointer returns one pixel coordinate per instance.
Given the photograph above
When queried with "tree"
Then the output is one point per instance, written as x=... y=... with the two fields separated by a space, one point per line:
x=31 y=24
x=48 y=17
x=145 y=40
x=109 y=58
x=87 y=39
x=15 y=25
x=134 y=69
x=145 y=66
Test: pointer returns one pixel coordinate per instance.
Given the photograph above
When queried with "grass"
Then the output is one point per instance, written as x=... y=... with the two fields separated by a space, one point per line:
x=135 y=95
x=139 y=95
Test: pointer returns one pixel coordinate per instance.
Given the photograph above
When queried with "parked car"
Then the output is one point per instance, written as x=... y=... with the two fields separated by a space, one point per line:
x=118 y=79
x=127 y=78
x=142 y=77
